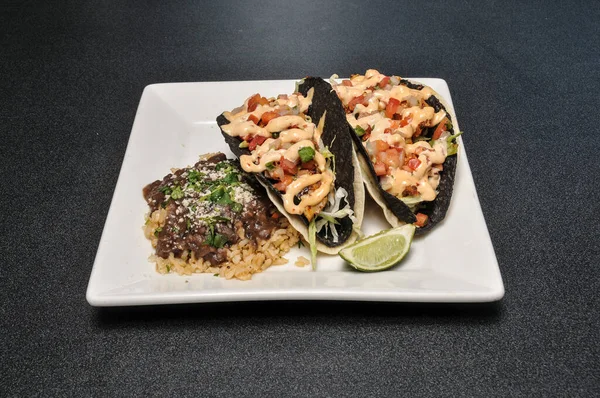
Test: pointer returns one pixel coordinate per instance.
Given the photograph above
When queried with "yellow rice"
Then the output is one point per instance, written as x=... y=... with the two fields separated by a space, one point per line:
x=243 y=258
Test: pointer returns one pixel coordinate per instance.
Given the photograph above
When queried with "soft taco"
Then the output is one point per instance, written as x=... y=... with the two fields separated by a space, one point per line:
x=407 y=142
x=298 y=146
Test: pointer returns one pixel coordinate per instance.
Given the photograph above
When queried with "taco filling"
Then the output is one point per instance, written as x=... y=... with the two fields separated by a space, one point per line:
x=278 y=141
x=285 y=146
x=406 y=136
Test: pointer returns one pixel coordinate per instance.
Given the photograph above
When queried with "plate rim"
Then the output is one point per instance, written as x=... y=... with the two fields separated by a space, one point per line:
x=494 y=292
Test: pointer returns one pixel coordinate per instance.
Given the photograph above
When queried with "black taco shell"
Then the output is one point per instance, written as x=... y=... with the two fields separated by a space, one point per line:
x=436 y=209
x=335 y=136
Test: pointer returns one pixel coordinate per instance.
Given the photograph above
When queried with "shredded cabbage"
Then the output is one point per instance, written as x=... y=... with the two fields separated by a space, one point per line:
x=412 y=202
x=298 y=83
x=328 y=217
x=312 y=241
x=329 y=157
x=332 y=79
x=453 y=147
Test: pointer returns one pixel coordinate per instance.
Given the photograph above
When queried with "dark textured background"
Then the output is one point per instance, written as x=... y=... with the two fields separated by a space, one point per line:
x=525 y=80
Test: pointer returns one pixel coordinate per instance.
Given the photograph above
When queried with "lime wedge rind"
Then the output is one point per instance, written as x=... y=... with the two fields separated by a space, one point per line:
x=380 y=251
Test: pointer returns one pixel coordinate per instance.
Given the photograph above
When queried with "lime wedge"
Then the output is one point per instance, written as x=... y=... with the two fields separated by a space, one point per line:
x=380 y=251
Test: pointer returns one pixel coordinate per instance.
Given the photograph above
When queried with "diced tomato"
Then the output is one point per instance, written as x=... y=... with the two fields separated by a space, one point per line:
x=395 y=124
x=380 y=168
x=256 y=141
x=347 y=83
x=384 y=82
x=277 y=173
x=405 y=121
x=310 y=165
x=288 y=166
x=355 y=101
x=256 y=100
x=381 y=157
x=283 y=184
x=366 y=136
x=253 y=102
x=275 y=216
x=388 y=131
x=421 y=220
x=268 y=116
x=414 y=163
x=393 y=157
x=381 y=146
x=253 y=119
x=392 y=107
x=440 y=129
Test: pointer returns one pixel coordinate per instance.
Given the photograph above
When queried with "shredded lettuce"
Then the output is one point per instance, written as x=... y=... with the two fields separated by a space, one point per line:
x=453 y=147
x=298 y=83
x=329 y=158
x=333 y=78
x=312 y=241
x=328 y=217
x=412 y=202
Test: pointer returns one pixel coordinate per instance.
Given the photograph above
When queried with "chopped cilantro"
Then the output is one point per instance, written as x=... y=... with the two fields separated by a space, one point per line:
x=165 y=189
x=359 y=131
x=215 y=239
x=232 y=178
x=214 y=219
x=219 y=241
x=188 y=223
x=306 y=154
x=224 y=199
x=194 y=176
x=168 y=268
x=300 y=243
x=217 y=275
x=270 y=166
x=275 y=135
x=219 y=195
x=236 y=207
x=199 y=186
x=225 y=166
x=177 y=193
x=157 y=231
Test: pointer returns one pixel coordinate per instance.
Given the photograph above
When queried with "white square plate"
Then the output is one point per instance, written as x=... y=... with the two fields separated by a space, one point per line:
x=175 y=123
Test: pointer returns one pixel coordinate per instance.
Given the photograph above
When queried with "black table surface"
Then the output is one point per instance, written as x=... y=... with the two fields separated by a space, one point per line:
x=525 y=80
